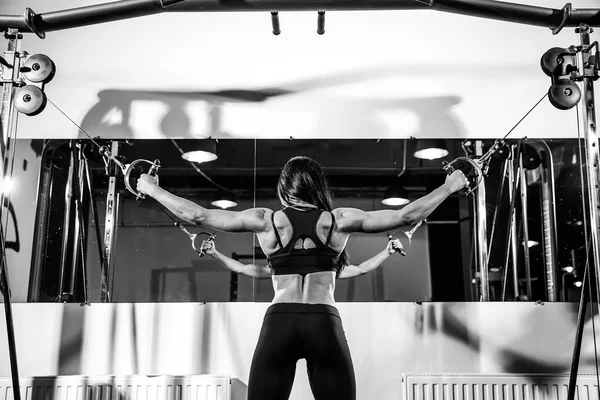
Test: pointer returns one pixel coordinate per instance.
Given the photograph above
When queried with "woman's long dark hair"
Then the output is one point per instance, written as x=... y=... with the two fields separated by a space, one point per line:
x=302 y=178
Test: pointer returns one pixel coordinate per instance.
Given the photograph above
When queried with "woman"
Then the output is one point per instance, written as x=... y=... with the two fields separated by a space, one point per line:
x=264 y=272
x=304 y=244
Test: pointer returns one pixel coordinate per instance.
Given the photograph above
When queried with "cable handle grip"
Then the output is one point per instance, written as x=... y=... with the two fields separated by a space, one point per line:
x=447 y=167
x=400 y=250
x=205 y=243
x=153 y=171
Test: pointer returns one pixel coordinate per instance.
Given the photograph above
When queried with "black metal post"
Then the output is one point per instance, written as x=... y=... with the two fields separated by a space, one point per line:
x=588 y=125
x=579 y=334
x=8 y=127
x=110 y=228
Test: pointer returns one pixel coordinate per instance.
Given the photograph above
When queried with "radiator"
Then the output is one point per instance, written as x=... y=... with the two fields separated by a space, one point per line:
x=496 y=387
x=136 y=387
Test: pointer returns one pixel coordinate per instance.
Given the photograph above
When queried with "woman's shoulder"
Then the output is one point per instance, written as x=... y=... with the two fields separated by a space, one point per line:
x=346 y=212
x=346 y=218
x=260 y=212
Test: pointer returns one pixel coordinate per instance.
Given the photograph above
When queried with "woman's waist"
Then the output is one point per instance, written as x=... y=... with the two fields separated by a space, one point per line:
x=315 y=288
x=303 y=262
x=302 y=308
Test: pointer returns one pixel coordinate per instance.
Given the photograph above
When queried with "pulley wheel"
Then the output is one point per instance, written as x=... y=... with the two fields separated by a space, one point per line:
x=502 y=153
x=531 y=158
x=564 y=94
x=30 y=100
x=554 y=63
x=39 y=68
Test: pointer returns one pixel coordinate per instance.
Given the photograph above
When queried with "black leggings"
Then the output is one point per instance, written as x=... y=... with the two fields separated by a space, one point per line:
x=292 y=331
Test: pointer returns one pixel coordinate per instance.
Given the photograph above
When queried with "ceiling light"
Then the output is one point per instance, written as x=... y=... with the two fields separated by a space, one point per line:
x=224 y=199
x=430 y=149
x=395 y=195
x=199 y=151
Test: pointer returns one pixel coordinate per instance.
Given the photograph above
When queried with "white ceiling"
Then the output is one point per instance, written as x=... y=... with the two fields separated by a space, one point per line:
x=373 y=74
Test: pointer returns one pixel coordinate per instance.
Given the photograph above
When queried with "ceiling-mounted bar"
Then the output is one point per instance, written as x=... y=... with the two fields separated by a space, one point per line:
x=275 y=23
x=321 y=22
x=125 y=9
x=518 y=13
x=83 y=16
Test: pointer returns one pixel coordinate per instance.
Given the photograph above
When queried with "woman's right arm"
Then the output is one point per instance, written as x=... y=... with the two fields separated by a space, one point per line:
x=251 y=220
x=350 y=220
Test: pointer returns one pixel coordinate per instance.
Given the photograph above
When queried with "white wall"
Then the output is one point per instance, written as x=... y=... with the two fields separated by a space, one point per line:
x=373 y=74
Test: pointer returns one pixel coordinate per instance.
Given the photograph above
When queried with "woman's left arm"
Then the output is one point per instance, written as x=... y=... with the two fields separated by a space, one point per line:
x=372 y=263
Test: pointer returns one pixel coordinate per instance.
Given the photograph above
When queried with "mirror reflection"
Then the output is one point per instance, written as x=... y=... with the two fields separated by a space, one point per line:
x=81 y=231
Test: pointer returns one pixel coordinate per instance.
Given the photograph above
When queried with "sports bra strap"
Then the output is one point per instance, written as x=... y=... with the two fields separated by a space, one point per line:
x=275 y=229
x=330 y=229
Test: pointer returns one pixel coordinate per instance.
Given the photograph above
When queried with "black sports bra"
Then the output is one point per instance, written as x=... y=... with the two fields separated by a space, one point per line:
x=288 y=260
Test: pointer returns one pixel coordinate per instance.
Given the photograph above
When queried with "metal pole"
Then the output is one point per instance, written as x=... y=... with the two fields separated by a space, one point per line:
x=513 y=226
x=8 y=114
x=77 y=179
x=588 y=125
x=94 y=211
x=125 y=9
x=110 y=228
x=80 y=232
x=8 y=125
x=66 y=224
x=583 y=300
x=481 y=232
x=524 y=222
x=548 y=217
x=511 y=236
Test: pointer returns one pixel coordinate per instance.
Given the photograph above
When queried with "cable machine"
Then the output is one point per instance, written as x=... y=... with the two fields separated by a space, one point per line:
x=23 y=78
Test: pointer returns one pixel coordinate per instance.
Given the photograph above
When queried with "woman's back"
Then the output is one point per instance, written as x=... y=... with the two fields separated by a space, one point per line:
x=304 y=260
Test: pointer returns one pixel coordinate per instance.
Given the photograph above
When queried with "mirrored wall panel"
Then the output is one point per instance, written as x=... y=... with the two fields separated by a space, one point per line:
x=79 y=231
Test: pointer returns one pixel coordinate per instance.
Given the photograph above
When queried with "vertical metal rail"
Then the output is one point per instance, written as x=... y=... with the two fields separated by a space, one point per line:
x=78 y=257
x=8 y=113
x=77 y=175
x=8 y=125
x=548 y=218
x=99 y=239
x=513 y=225
x=66 y=233
x=524 y=222
x=110 y=228
x=588 y=125
x=481 y=232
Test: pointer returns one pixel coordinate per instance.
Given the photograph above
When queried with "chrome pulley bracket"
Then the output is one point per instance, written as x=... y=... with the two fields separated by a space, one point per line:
x=128 y=168
x=470 y=168
x=473 y=169
x=199 y=247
